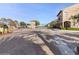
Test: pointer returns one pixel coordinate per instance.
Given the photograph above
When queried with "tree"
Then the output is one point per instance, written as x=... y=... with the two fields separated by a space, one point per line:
x=36 y=22
x=53 y=24
x=22 y=24
x=4 y=19
x=4 y=26
x=75 y=19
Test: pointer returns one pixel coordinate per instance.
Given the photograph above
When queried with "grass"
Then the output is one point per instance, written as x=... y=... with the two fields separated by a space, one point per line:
x=70 y=29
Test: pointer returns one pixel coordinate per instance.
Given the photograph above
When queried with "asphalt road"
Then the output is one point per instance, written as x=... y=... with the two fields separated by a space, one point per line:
x=19 y=43
x=59 y=44
x=37 y=42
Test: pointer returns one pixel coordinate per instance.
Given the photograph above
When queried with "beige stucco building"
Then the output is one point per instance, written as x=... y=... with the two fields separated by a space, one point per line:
x=65 y=15
x=32 y=25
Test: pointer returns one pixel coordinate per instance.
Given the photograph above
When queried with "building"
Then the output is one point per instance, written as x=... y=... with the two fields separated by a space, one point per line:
x=32 y=25
x=65 y=15
x=1 y=29
x=10 y=23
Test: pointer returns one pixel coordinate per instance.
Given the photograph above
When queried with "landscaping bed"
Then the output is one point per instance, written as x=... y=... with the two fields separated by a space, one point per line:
x=70 y=29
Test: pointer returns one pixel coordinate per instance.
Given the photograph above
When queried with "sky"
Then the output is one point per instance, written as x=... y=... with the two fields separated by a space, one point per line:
x=43 y=12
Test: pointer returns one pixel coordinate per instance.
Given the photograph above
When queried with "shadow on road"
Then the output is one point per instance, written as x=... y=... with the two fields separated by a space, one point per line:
x=20 y=46
x=47 y=37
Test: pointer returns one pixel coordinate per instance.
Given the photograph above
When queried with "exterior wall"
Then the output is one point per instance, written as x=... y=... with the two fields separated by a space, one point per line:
x=10 y=28
x=67 y=13
x=60 y=18
x=1 y=30
x=32 y=25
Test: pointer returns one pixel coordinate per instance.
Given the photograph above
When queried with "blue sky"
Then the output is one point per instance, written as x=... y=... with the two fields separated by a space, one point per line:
x=43 y=12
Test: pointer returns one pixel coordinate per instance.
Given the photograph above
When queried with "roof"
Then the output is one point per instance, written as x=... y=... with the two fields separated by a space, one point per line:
x=69 y=7
x=59 y=12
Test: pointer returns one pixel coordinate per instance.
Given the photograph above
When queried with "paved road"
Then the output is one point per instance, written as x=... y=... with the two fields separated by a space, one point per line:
x=38 y=42
x=59 y=43
x=20 y=43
